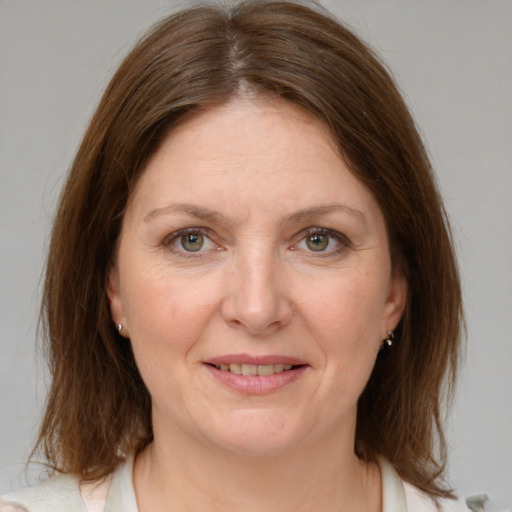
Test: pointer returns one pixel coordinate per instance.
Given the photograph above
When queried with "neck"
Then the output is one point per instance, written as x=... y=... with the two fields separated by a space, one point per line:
x=190 y=477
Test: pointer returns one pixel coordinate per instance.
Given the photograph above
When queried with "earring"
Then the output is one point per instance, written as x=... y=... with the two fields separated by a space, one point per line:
x=119 y=327
x=389 y=340
x=386 y=345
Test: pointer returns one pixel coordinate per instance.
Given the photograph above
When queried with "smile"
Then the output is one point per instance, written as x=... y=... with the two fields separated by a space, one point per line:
x=256 y=375
x=262 y=370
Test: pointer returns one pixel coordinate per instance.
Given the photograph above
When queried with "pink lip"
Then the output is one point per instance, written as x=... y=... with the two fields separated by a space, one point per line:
x=256 y=384
x=249 y=359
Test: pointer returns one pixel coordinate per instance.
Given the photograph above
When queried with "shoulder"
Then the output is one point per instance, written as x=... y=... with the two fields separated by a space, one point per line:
x=399 y=495
x=59 y=493
x=420 y=501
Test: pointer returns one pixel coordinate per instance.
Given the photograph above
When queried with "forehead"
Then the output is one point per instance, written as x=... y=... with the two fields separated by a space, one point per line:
x=251 y=126
x=249 y=153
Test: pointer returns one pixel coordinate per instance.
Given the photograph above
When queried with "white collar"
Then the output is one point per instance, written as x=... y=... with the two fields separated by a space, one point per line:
x=122 y=494
x=393 y=492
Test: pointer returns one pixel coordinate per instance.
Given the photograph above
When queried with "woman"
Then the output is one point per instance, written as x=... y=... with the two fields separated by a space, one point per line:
x=251 y=299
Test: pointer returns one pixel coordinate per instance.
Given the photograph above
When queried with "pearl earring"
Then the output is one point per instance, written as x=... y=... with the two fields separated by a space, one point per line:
x=386 y=345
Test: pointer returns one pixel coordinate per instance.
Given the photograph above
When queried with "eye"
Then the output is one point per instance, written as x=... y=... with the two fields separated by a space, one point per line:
x=192 y=242
x=323 y=241
x=187 y=241
x=317 y=242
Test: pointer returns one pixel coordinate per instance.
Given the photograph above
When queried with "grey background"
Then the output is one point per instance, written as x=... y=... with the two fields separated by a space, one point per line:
x=453 y=60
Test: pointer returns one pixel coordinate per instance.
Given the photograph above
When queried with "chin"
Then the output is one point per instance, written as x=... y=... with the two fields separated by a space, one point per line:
x=253 y=434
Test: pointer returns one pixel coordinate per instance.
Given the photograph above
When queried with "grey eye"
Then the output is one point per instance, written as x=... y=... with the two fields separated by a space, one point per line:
x=192 y=242
x=317 y=242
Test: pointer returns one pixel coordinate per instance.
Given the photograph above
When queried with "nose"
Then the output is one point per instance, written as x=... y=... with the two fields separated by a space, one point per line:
x=256 y=298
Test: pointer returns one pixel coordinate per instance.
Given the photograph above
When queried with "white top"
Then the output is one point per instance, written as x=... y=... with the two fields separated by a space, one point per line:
x=64 y=493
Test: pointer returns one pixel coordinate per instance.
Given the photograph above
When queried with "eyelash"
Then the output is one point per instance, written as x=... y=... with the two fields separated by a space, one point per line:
x=342 y=241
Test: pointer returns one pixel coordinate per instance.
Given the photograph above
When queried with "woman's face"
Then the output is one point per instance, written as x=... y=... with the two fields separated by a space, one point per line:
x=248 y=247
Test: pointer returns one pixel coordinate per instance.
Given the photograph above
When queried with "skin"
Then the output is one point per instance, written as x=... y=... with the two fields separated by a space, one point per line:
x=259 y=180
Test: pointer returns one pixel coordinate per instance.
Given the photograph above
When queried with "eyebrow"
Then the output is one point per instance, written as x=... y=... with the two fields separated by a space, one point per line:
x=317 y=211
x=210 y=215
x=188 y=209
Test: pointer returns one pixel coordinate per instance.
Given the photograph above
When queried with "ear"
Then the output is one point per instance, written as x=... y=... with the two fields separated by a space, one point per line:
x=116 y=301
x=395 y=302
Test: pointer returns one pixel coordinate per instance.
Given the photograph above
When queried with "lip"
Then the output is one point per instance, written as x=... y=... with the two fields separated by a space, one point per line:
x=256 y=384
x=258 y=360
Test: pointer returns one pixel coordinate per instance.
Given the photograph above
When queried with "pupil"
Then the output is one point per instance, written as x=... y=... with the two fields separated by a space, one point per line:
x=318 y=242
x=192 y=242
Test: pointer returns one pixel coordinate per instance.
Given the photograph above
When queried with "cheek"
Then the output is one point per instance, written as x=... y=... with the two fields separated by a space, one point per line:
x=167 y=319
x=344 y=321
x=346 y=309
x=167 y=313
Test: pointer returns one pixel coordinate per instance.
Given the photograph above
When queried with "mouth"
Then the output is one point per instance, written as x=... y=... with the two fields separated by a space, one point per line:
x=256 y=375
x=262 y=370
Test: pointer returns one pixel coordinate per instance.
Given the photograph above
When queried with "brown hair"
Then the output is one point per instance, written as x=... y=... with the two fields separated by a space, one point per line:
x=98 y=408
